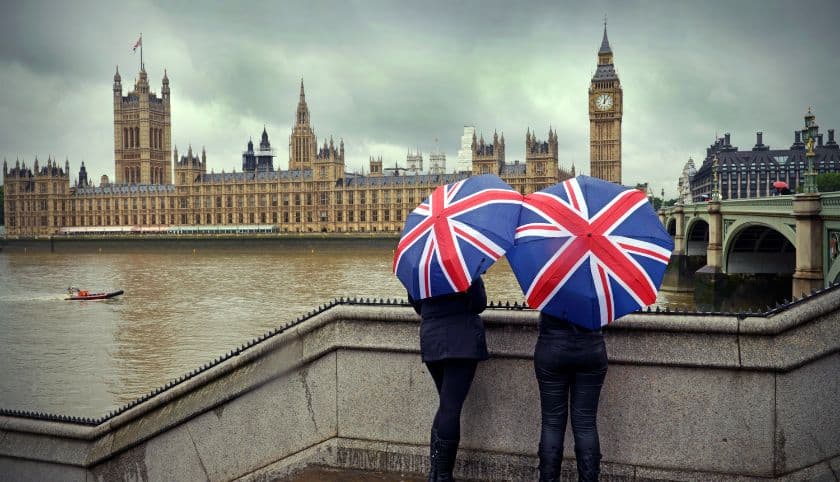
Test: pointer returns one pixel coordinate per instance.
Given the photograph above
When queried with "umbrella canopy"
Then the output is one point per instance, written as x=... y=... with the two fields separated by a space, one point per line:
x=589 y=251
x=455 y=234
x=780 y=184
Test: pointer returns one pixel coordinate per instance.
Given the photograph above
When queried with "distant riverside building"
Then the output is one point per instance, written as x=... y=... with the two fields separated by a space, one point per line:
x=465 y=153
x=684 y=183
x=414 y=162
x=437 y=163
x=154 y=192
x=751 y=173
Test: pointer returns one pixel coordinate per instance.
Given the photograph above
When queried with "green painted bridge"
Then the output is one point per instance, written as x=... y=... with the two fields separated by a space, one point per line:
x=797 y=234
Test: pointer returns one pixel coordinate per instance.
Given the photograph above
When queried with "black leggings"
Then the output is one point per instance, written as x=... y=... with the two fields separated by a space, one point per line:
x=453 y=378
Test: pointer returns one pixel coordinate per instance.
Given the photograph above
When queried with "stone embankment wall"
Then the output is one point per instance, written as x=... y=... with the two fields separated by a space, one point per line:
x=687 y=397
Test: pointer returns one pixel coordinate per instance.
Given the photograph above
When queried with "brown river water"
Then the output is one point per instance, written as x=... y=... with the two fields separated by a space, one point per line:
x=181 y=308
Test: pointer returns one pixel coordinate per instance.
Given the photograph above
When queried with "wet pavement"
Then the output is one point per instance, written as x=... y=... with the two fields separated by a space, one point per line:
x=324 y=474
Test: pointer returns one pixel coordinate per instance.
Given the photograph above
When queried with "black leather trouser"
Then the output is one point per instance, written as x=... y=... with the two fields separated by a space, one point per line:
x=570 y=368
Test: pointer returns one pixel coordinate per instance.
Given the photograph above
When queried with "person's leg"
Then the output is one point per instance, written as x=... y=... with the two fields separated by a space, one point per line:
x=554 y=392
x=457 y=379
x=436 y=370
x=585 y=393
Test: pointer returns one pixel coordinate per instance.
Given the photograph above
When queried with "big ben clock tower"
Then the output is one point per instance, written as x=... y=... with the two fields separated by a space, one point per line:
x=605 y=111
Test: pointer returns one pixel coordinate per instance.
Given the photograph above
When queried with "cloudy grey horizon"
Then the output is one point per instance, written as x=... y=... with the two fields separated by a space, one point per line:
x=387 y=77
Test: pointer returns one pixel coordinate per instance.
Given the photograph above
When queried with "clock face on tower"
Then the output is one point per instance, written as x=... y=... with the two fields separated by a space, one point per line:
x=604 y=102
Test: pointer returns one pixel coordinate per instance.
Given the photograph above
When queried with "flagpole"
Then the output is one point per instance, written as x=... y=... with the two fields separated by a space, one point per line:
x=141 y=51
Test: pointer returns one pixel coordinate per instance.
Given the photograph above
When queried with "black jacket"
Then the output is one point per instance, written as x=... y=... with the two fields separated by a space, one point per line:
x=451 y=327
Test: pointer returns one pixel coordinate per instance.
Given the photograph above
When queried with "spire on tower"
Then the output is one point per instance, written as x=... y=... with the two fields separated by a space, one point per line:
x=605 y=43
x=302 y=109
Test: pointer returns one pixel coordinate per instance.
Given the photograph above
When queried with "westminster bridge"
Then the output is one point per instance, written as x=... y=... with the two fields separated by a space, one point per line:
x=795 y=235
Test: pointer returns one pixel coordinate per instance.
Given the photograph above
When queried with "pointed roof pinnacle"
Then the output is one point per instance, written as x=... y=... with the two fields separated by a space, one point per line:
x=302 y=93
x=117 y=77
x=605 y=43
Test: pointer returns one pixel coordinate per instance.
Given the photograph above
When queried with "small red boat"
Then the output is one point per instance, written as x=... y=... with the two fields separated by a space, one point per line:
x=80 y=295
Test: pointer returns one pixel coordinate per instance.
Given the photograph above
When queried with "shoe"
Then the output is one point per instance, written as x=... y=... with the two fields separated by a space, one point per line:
x=588 y=465
x=551 y=459
x=447 y=450
x=433 y=452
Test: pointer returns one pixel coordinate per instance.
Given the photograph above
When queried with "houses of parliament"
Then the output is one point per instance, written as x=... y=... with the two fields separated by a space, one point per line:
x=156 y=190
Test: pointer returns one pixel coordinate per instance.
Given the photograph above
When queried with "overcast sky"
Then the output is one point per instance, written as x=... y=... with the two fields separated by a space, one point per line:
x=387 y=76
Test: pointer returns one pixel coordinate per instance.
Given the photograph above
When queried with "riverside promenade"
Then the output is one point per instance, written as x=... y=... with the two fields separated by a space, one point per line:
x=688 y=396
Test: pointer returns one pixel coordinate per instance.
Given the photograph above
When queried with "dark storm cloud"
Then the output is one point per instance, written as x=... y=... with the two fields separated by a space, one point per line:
x=388 y=76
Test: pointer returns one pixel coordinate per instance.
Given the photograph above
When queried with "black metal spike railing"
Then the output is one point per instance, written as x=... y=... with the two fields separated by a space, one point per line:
x=495 y=305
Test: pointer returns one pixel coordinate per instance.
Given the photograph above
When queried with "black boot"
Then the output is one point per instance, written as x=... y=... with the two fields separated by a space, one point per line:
x=588 y=465
x=433 y=455
x=445 y=459
x=551 y=459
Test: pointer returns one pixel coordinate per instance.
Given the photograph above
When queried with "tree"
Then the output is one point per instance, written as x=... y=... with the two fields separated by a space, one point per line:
x=828 y=182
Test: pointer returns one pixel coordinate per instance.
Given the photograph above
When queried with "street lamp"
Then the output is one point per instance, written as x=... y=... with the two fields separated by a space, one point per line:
x=810 y=133
x=715 y=189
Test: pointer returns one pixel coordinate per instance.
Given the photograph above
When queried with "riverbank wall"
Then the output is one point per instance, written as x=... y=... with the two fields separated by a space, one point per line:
x=190 y=242
x=688 y=396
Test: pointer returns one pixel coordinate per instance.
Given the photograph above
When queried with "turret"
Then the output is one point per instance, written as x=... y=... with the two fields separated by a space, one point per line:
x=203 y=156
x=175 y=155
x=5 y=168
x=165 y=88
x=117 y=85
x=376 y=166
x=83 y=177
x=264 y=144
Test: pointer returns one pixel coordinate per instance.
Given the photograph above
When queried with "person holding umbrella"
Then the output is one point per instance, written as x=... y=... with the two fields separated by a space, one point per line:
x=587 y=252
x=448 y=242
x=452 y=343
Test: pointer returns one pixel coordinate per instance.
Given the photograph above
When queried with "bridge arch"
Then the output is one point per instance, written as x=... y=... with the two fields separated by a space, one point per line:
x=757 y=247
x=696 y=237
x=833 y=272
x=671 y=226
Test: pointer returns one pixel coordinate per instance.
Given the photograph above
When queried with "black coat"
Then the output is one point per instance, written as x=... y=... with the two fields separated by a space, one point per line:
x=451 y=327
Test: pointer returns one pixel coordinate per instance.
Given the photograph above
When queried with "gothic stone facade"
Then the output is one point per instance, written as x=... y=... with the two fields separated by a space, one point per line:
x=315 y=194
x=605 y=112
x=142 y=133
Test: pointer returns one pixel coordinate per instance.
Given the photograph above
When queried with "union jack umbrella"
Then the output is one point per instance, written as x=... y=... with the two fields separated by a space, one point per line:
x=455 y=234
x=589 y=251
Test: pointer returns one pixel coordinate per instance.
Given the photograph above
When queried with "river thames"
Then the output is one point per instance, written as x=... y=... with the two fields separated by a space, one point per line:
x=181 y=308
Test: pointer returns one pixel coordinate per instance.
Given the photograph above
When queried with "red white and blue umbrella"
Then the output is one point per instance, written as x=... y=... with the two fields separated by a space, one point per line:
x=589 y=251
x=455 y=235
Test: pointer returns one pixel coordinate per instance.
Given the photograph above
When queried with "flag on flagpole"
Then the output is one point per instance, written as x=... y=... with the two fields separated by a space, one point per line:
x=138 y=43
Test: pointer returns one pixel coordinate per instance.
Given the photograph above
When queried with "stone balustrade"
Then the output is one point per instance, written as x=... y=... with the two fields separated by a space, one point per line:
x=687 y=396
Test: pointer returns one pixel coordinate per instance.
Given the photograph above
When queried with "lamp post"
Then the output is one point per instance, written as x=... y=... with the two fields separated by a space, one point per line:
x=715 y=188
x=810 y=132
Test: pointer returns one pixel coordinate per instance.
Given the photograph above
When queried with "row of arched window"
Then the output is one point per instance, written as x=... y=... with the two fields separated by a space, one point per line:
x=132 y=175
x=131 y=137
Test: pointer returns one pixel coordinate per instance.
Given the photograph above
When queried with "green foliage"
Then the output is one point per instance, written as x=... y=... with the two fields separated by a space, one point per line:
x=828 y=182
x=657 y=203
